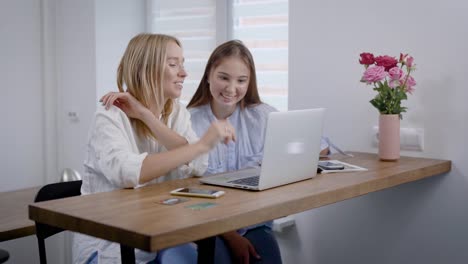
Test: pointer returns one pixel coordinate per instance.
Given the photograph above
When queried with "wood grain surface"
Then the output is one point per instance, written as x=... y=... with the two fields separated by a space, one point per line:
x=134 y=217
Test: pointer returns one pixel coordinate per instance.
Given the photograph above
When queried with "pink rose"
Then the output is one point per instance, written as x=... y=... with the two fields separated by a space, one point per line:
x=409 y=61
x=366 y=58
x=395 y=73
x=374 y=74
x=386 y=61
x=410 y=83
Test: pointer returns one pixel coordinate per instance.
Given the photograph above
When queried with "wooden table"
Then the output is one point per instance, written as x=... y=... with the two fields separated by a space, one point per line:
x=135 y=219
x=14 y=220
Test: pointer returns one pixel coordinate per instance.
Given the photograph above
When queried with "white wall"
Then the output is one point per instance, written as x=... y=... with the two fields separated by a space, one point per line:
x=76 y=78
x=54 y=54
x=23 y=139
x=117 y=21
x=421 y=222
x=21 y=95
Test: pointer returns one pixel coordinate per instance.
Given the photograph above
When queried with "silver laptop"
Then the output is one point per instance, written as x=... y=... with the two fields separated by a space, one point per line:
x=290 y=154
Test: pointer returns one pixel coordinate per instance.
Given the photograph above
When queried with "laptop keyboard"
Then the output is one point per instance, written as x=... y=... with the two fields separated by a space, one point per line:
x=250 y=181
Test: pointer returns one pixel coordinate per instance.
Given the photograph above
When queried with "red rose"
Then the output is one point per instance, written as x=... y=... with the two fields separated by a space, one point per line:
x=367 y=58
x=386 y=61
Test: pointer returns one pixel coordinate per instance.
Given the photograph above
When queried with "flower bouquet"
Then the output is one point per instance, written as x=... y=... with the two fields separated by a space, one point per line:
x=391 y=78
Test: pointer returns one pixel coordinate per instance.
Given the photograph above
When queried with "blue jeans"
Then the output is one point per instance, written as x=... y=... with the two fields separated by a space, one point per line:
x=264 y=242
x=262 y=238
x=183 y=254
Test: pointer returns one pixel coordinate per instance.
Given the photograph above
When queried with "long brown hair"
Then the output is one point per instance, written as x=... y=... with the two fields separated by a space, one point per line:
x=232 y=48
x=141 y=72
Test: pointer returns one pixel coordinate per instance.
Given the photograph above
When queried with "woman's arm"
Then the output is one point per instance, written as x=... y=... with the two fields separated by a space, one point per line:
x=181 y=122
x=159 y=164
x=325 y=151
x=166 y=136
x=134 y=109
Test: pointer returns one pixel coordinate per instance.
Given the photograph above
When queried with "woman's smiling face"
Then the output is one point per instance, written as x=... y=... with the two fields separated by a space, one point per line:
x=174 y=74
x=229 y=82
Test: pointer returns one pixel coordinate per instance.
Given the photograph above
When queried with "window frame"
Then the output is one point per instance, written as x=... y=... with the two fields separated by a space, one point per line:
x=224 y=31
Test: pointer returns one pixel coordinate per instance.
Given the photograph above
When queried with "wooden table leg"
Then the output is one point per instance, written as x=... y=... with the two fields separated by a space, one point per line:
x=127 y=254
x=206 y=250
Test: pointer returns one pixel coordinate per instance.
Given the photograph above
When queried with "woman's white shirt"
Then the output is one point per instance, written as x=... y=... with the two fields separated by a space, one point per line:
x=114 y=156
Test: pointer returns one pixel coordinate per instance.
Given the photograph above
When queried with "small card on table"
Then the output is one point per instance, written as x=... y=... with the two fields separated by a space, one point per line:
x=201 y=206
x=173 y=200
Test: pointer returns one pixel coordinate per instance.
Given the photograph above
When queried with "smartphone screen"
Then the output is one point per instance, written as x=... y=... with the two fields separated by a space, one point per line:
x=200 y=191
x=327 y=165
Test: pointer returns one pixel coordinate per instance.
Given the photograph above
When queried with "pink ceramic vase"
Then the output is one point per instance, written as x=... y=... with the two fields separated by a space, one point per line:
x=389 y=137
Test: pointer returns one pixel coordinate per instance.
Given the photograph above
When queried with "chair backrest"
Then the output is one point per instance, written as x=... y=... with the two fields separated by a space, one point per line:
x=4 y=256
x=58 y=190
x=51 y=192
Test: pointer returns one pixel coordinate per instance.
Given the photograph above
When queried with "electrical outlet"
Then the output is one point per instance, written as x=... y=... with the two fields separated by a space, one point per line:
x=281 y=223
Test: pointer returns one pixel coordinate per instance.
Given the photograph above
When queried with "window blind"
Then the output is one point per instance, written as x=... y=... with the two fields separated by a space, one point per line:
x=193 y=23
x=261 y=24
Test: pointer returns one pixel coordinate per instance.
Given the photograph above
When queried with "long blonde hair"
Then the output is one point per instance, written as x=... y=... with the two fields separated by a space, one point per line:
x=141 y=73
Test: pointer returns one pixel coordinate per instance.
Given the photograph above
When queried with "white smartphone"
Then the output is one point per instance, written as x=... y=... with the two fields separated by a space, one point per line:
x=198 y=192
x=327 y=165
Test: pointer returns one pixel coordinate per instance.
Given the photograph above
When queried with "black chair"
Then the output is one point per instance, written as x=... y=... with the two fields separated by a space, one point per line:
x=51 y=192
x=4 y=256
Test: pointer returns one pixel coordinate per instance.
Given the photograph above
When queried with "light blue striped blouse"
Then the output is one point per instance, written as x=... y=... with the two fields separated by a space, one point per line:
x=247 y=151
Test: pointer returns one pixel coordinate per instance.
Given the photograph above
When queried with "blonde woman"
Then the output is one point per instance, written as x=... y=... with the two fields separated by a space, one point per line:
x=142 y=135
